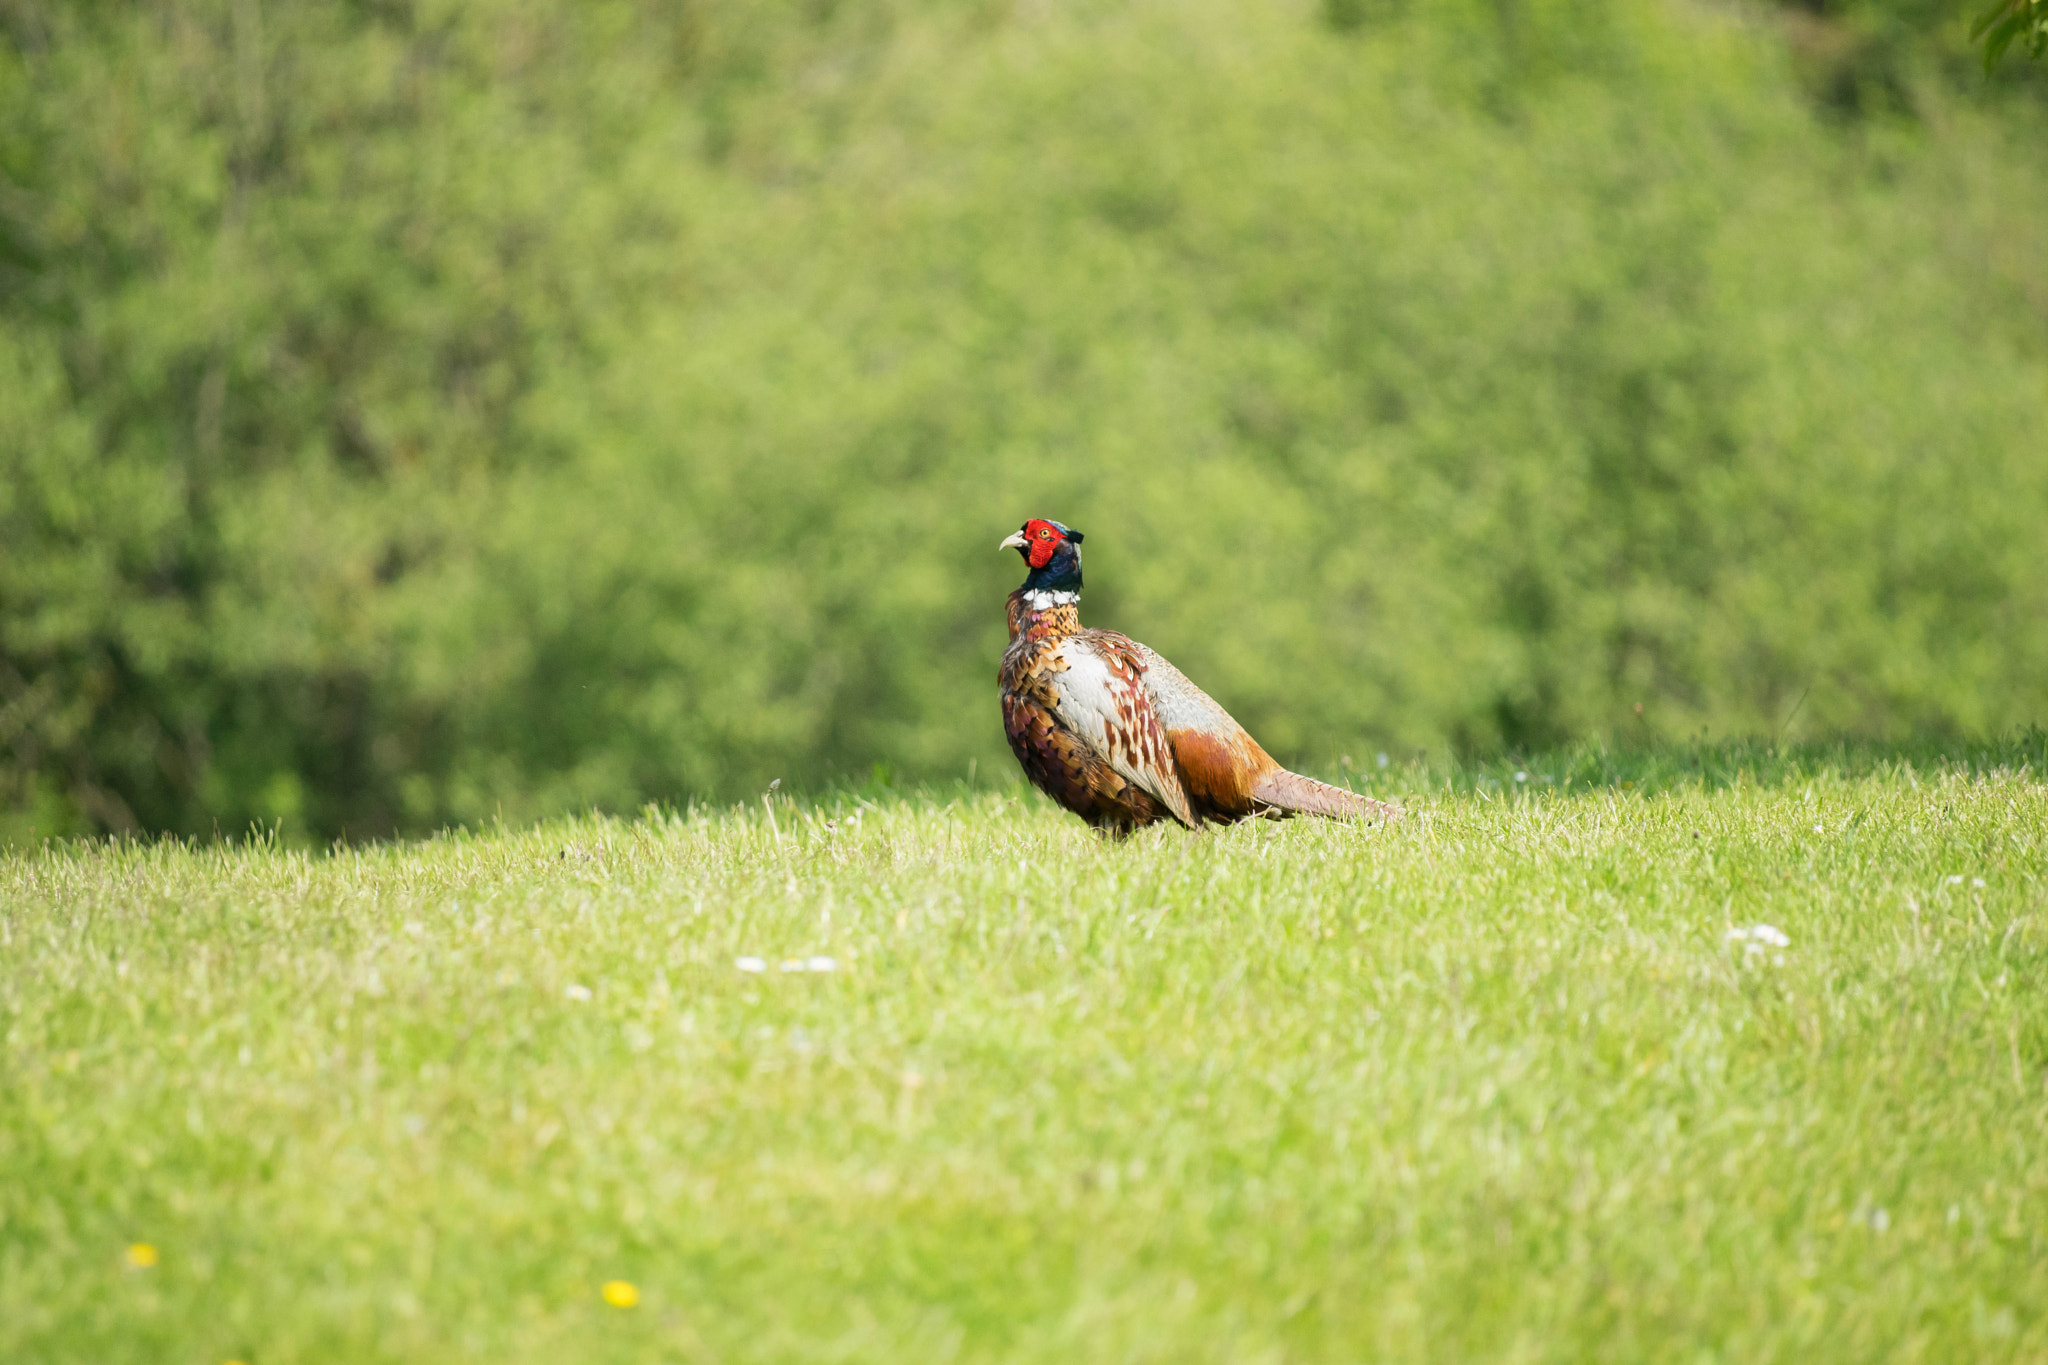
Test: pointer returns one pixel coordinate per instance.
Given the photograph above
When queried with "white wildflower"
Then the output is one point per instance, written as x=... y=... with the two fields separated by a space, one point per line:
x=1757 y=937
x=822 y=964
x=750 y=964
x=576 y=991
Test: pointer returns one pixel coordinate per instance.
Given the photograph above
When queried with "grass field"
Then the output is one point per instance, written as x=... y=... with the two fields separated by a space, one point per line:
x=1492 y=1083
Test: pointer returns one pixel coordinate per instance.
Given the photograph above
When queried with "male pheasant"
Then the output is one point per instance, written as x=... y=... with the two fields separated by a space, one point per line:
x=1116 y=734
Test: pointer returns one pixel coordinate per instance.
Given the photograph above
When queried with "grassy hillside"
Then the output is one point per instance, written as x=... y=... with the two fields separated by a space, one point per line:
x=1500 y=1081
x=412 y=413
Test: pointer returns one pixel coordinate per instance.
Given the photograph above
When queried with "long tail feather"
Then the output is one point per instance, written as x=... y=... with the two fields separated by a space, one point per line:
x=1288 y=791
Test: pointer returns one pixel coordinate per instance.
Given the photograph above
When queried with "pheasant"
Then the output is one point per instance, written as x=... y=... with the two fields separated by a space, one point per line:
x=1118 y=735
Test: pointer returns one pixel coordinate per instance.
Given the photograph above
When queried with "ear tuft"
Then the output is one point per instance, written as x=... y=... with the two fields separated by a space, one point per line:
x=1076 y=537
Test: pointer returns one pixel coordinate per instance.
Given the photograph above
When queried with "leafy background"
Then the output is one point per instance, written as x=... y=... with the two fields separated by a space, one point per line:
x=421 y=412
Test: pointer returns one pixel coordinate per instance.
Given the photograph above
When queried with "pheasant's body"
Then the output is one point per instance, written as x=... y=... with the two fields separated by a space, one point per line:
x=1119 y=736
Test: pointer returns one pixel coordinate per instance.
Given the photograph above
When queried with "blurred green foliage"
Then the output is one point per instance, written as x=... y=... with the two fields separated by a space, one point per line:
x=414 y=411
x=2012 y=21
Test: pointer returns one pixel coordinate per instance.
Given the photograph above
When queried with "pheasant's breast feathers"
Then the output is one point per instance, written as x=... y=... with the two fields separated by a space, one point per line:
x=1065 y=768
x=1080 y=726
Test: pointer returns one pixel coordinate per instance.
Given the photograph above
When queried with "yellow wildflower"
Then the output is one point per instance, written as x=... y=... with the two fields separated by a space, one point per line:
x=141 y=1255
x=620 y=1293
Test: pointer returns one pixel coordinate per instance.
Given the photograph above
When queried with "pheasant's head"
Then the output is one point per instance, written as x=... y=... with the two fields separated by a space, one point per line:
x=1053 y=553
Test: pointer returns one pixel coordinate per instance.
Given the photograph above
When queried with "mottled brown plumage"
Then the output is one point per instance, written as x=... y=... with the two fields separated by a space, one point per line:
x=1115 y=733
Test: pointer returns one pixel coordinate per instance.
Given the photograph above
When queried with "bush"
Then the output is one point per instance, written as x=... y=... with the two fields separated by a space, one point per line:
x=415 y=413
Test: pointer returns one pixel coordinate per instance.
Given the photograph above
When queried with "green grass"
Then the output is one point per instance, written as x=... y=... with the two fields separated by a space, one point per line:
x=1489 y=1084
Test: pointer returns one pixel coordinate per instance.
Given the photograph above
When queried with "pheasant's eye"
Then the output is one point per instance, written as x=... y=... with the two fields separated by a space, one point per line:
x=1045 y=535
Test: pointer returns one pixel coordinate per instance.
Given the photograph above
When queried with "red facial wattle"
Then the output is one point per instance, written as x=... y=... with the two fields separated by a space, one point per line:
x=1041 y=542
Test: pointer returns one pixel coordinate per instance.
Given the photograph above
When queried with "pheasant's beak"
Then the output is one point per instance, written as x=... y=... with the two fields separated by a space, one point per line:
x=1015 y=542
